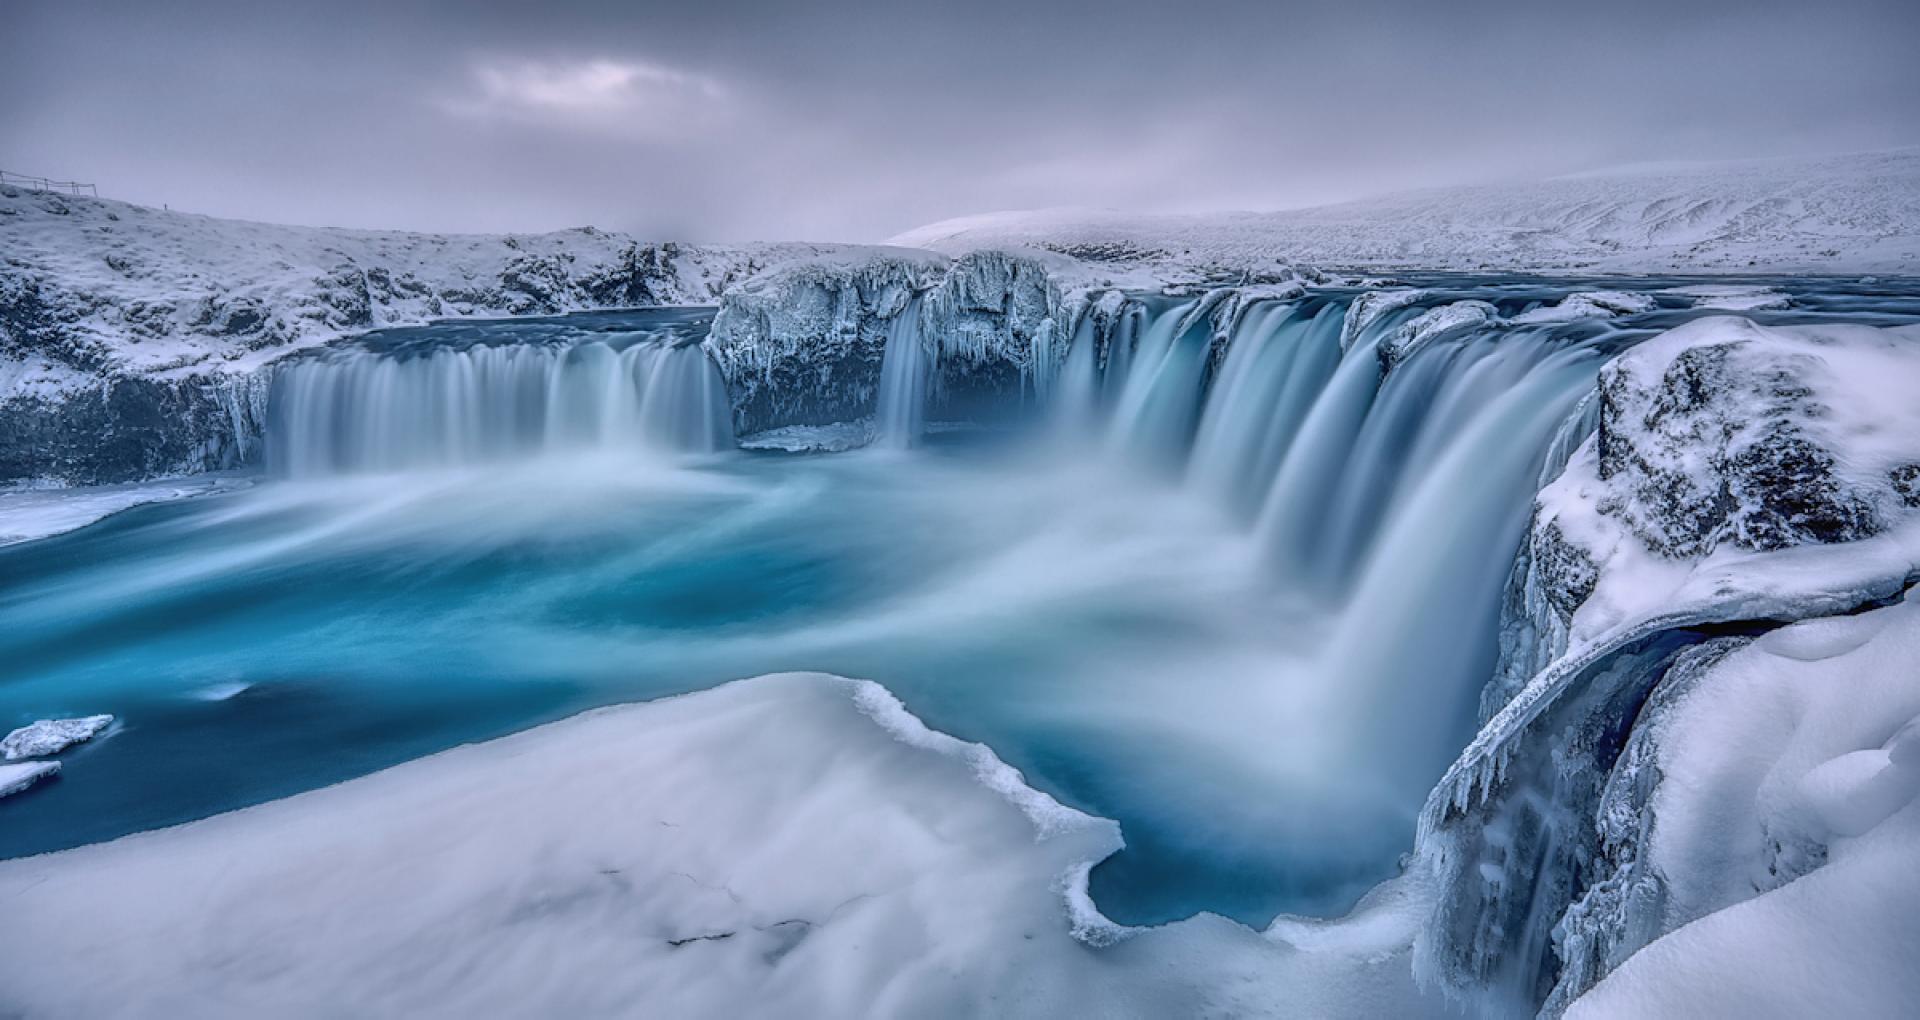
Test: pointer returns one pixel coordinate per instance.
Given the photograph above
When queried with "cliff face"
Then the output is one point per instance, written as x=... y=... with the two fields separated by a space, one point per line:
x=802 y=343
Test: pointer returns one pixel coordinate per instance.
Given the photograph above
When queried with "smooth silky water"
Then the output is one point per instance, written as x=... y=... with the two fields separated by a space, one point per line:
x=1243 y=604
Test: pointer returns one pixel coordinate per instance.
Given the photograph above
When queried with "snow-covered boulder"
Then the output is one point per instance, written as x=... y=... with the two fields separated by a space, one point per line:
x=1431 y=325
x=1369 y=307
x=1723 y=431
x=15 y=778
x=1590 y=304
x=51 y=736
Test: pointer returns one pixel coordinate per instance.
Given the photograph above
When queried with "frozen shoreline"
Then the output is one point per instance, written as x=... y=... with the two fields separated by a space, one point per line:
x=762 y=848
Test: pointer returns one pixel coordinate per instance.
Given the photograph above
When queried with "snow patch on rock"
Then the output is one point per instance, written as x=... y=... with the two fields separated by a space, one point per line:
x=51 y=736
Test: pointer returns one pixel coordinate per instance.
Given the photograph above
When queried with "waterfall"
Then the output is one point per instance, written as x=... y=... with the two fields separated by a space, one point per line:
x=898 y=419
x=1387 y=504
x=358 y=410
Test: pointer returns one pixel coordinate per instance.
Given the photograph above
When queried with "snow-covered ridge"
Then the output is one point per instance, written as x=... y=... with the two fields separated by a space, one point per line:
x=131 y=338
x=1856 y=213
x=91 y=284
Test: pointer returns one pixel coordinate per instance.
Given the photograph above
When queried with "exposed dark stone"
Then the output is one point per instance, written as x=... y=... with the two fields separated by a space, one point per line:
x=127 y=428
x=1718 y=449
x=1567 y=573
x=1906 y=482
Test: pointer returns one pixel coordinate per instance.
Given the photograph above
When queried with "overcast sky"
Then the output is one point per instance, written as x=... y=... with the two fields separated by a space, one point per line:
x=852 y=121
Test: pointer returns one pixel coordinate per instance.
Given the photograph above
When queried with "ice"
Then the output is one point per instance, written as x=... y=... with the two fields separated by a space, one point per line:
x=30 y=514
x=1734 y=297
x=759 y=849
x=1590 y=304
x=838 y=437
x=1786 y=834
x=15 y=778
x=51 y=736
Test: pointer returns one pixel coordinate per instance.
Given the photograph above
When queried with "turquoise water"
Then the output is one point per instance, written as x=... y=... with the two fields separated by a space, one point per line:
x=1257 y=682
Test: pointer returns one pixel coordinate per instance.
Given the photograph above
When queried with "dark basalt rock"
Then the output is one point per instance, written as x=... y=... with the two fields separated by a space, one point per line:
x=1722 y=447
x=1567 y=573
x=129 y=427
x=1906 y=482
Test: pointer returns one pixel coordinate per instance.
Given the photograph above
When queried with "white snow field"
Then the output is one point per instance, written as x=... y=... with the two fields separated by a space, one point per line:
x=793 y=845
x=152 y=291
x=1857 y=213
x=1807 y=738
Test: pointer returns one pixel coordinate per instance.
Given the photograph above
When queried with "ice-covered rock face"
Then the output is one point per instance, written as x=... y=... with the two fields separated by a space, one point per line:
x=803 y=343
x=1738 y=476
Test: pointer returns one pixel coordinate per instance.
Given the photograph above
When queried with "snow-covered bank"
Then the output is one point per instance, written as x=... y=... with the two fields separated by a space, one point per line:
x=1785 y=831
x=792 y=845
x=1739 y=477
x=1857 y=213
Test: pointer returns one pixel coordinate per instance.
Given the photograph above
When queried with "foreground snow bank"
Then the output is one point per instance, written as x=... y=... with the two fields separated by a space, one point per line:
x=794 y=845
x=1786 y=826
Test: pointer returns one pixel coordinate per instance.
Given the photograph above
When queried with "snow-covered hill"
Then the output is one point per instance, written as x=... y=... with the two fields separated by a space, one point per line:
x=1841 y=214
x=88 y=285
x=130 y=336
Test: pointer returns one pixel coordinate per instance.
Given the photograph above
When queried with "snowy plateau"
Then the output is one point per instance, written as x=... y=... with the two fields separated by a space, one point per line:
x=1655 y=433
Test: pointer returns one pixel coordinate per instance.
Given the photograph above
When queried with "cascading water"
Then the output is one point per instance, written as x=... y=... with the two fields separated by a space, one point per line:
x=1387 y=506
x=356 y=410
x=899 y=417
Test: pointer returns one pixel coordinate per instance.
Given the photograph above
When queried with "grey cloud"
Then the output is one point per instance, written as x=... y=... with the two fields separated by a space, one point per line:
x=842 y=120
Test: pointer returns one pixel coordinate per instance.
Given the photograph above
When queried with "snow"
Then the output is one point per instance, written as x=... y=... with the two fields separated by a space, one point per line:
x=1589 y=304
x=1734 y=297
x=1853 y=213
x=837 y=437
x=1430 y=325
x=51 y=736
x=1741 y=475
x=1787 y=826
x=1858 y=405
x=143 y=290
x=760 y=849
x=15 y=778
x=30 y=514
